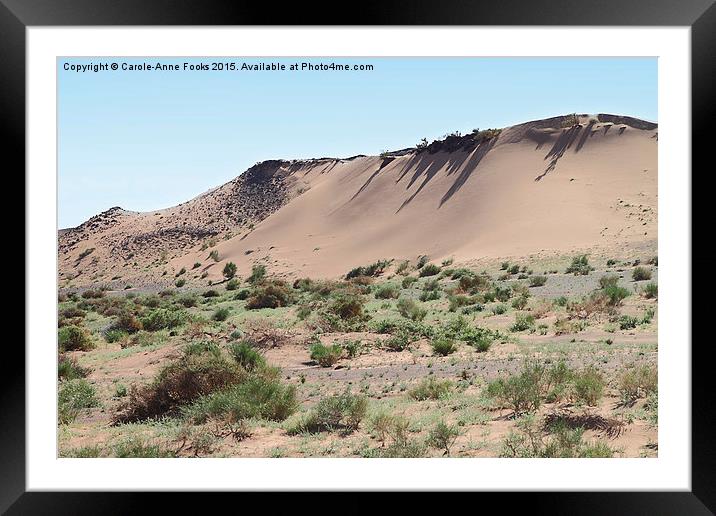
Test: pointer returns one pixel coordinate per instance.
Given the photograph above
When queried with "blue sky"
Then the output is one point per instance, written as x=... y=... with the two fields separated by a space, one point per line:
x=146 y=140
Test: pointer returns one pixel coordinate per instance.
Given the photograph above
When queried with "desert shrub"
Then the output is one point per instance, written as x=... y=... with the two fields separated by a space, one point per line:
x=187 y=300
x=127 y=322
x=399 y=341
x=523 y=322
x=232 y=284
x=521 y=392
x=442 y=437
x=74 y=338
x=637 y=382
x=273 y=294
x=530 y=441
x=260 y=396
x=68 y=368
x=374 y=269
x=163 y=318
x=611 y=262
x=326 y=356
x=201 y=370
x=561 y=301
x=242 y=294
x=181 y=271
x=443 y=346
x=651 y=290
x=579 y=266
x=73 y=397
x=347 y=306
x=469 y=282
x=135 y=447
x=211 y=293
x=387 y=292
x=608 y=281
x=72 y=312
x=519 y=303
x=499 y=309
x=429 y=270
x=352 y=348
x=221 y=314
x=258 y=273
x=229 y=270
x=431 y=389
x=513 y=269
x=429 y=295
x=410 y=309
x=628 y=322
x=422 y=260
x=459 y=301
x=247 y=356
x=538 y=281
x=408 y=281
x=93 y=294
x=641 y=274
x=180 y=282
x=112 y=335
x=588 y=386
x=214 y=255
x=403 y=267
x=342 y=412
x=501 y=294
x=196 y=265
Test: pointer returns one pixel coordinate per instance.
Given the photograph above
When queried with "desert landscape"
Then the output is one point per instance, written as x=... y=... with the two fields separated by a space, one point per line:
x=491 y=294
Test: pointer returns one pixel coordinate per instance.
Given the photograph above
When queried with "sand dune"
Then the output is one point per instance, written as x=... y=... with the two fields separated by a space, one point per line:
x=533 y=188
x=549 y=185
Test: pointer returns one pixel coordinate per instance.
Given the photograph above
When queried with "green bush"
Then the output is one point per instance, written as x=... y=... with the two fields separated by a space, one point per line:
x=641 y=274
x=521 y=392
x=211 y=293
x=410 y=309
x=261 y=397
x=615 y=294
x=73 y=397
x=163 y=318
x=429 y=270
x=326 y=356
x=651 y=290
x=408 y=281
x=387 y=292
x=469 y=282
x=374 y=269
x=258 y=273
x=181 y=271
x=69 y=369
x=538 y=281
x=229 y=270
x=245 y=355
x=74 y=338
x=610 y=280
x=398 y=342
x=347 y=306
x=443 y=436
x=272 y=294
x=180 y=282
x=588 y=386
x=523 y=322
x=221 y=314
x=627 y=322
x=342 y=412
x=201 y=370
x=499 y=309
x=579 y=266
x=232 y=284
x=637 y=382
x=242 y=295
x=431 y=389
x=443 y=346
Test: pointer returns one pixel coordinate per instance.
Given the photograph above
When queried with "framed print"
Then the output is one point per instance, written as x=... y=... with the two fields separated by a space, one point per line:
x=432 y=250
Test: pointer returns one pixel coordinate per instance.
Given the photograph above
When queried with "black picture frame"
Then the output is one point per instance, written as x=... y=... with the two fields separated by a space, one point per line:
x=700 y=15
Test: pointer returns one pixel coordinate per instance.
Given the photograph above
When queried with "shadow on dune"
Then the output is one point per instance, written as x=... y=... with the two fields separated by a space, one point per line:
x=475 y=159
x=564 y=142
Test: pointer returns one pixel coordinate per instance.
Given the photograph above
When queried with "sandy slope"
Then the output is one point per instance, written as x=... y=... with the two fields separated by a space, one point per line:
x=538 y=186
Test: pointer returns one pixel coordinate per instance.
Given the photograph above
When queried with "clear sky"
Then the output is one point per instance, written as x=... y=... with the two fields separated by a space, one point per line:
x=146 y=140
